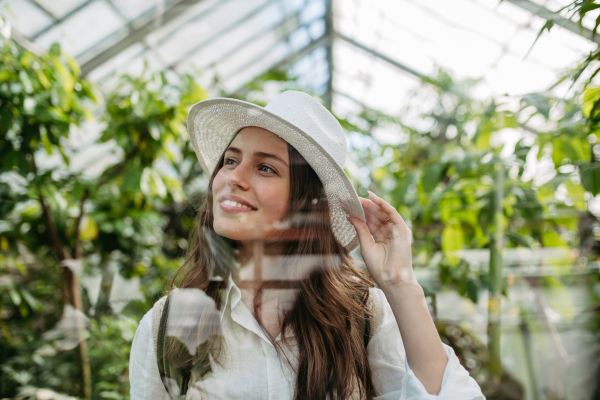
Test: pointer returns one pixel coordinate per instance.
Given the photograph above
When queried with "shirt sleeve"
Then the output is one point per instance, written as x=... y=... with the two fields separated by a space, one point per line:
x=394 y=380
x=144 y=377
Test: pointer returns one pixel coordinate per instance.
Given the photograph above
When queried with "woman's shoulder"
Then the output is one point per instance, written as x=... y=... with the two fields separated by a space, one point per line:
x=159 y=305
x=152 y=314
x=149 y=324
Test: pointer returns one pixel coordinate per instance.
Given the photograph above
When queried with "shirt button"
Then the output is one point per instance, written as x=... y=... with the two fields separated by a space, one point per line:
x=274 y=352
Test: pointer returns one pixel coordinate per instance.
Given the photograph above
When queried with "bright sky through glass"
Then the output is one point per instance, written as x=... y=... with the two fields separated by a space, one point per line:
x=236 y=40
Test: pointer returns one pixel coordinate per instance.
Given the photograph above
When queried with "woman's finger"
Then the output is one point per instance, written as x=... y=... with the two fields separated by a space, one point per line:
x=391 y=212
x=373 y=226
x=373 y=211
x=374 y=216
x=364 y=235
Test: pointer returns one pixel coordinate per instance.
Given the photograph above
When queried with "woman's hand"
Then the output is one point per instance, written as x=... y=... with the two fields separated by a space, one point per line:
x=385 y=243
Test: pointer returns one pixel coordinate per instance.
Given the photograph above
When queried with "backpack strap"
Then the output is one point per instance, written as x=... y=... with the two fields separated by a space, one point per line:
x=160 y=313
x=156 y=317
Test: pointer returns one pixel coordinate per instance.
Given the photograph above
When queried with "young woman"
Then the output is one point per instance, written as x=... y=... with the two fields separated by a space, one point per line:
x=270 y=304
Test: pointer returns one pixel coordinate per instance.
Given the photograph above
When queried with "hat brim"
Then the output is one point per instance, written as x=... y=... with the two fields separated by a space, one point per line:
x=213 y=123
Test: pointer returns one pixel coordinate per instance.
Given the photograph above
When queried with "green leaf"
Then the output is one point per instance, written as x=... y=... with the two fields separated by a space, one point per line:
x=484 y=133
x=546 y=27
x=74 y=65
x=518 y=239
x=449 y=206
x=576 y=193
x=510 y=121
x=431 y=176
x=89 y=229
x=45 y=140
x=472 y=290
x=152 y=184
x=64 y=156
x=540 y=102
x=590 y=98
x=14 y=296
x=32 y=301
x=54 y=50
x=590 y=177
x=587 y=7
x=154 y=129
x=26 y=81
x=452 y=240
x=550 y=238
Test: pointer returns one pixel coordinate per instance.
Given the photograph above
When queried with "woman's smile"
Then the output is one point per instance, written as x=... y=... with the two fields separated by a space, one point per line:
x=234 y=204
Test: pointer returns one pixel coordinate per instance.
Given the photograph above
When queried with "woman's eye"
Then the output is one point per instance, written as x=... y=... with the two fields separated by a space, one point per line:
x=230 y=161
x=265 y=168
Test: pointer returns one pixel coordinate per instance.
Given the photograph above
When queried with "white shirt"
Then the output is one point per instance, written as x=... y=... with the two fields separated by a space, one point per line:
x=253 y=369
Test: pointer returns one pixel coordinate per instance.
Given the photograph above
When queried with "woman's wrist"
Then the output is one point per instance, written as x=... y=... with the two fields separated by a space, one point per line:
x=404 y=291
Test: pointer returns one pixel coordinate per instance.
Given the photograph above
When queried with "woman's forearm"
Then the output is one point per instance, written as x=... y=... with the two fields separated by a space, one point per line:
x=424 y=350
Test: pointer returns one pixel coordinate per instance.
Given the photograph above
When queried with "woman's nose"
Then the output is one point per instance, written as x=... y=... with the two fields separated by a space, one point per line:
x=239 y=177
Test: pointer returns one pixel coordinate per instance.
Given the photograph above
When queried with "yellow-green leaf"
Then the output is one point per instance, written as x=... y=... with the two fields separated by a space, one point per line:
x=89 y=229
x=590 y=97
x=551 y=238
x=576 y=193
x=452 y=240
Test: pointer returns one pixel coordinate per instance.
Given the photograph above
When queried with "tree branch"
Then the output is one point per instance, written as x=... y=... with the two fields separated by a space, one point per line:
x=77 y=247
x=50 y=227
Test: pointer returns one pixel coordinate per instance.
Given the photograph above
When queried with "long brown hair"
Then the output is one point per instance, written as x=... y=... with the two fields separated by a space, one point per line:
x=329 y=314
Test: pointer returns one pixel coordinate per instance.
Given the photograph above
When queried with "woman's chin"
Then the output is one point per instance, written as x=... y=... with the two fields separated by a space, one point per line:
x=237 y=234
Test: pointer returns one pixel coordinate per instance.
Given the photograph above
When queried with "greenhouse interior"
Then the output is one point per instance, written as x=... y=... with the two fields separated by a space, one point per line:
x=475 y=119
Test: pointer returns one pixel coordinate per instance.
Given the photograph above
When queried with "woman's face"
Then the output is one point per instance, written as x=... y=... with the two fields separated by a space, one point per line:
x=251 y=191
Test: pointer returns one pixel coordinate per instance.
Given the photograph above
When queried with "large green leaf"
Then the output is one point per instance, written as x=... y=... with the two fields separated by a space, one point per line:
x=590 y=177
x=452 y=240
x=431 y=176
x=540 y=102
x=551 y=238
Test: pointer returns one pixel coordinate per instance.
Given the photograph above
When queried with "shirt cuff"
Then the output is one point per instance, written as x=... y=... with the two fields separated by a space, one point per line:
x=456 y=382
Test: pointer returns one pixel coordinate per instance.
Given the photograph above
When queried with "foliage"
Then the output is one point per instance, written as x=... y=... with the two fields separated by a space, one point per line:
x=440 y=173
x=576 y=11
x=474 y=356
x=584 y=75
x=127 y=222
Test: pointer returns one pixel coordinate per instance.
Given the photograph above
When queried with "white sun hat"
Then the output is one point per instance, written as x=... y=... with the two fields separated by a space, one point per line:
x=301 y=121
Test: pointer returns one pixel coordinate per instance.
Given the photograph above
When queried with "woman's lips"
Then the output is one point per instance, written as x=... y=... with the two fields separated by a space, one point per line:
x=233 y=200
x=233 y=207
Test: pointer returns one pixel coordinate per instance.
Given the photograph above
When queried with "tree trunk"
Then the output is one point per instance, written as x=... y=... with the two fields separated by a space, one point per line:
x=495 y=277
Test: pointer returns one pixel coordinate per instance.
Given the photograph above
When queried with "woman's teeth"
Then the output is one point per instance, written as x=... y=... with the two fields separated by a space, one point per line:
x=234 y=204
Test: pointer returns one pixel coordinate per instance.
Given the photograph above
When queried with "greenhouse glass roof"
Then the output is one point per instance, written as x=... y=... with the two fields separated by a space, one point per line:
x=374 y=50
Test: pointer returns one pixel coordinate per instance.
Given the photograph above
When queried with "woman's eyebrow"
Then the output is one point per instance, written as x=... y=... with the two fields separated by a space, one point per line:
x=259 y=154
x=234 y=149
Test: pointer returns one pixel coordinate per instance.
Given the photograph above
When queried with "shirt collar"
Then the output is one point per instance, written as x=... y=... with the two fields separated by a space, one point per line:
x=232 y=294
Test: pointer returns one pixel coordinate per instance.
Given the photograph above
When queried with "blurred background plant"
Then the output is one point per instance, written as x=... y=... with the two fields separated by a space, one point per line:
x=487 y=186
x=116 y=234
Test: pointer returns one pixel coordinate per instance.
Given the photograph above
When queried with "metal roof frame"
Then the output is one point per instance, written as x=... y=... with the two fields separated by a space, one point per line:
x=224 y=30
x=559 y=20
x=138 y=34
x=139 y=28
